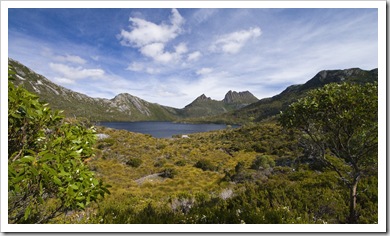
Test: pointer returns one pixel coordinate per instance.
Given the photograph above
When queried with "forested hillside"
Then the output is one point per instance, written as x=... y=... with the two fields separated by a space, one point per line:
x=268 y=107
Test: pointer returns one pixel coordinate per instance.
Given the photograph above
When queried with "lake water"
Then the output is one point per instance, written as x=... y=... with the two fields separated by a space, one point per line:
x=163 y=129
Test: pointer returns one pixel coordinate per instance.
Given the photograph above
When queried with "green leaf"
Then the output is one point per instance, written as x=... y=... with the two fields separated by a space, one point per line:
x=34 y=171
x=47 y=156
x=81 y=205
x=73 y=186
x=80 y=198
x=57 y=180
x=27 y=213
x=27 y=159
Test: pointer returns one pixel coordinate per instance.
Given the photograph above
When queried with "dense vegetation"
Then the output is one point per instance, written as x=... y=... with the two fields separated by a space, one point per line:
x=46 y=173
x=258 y=173
x=339 y=125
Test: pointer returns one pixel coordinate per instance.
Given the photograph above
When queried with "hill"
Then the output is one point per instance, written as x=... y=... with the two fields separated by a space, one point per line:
x=124 y=106
x=204 y=106
x=269 y=107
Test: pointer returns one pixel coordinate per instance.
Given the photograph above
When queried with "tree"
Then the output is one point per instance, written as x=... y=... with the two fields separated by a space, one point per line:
x=46 y=173
x=339 y=126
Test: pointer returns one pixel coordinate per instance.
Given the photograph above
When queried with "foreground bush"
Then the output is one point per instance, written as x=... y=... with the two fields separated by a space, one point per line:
x=46 y=172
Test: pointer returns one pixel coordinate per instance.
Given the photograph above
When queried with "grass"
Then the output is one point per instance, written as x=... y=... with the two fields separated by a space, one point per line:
x=222 y=188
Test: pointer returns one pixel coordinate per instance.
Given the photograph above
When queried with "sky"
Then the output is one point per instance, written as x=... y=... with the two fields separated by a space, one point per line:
x=172 y=56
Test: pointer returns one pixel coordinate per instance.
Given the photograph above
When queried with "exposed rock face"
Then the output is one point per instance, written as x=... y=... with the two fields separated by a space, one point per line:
x=124 y=107
x=202 y=98
x=241 y=97
x=205 y=106
x=125 y=102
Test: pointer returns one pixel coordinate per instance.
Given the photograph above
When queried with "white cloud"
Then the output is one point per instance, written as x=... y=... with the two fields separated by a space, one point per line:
x=233 y=42
x=144 y=32
x=140 y=67
x=70 y=58
x=181 y=48
x=204 y=14
x=204 y=71
x=152 y=71
x=63 y=81
x=194 y=56
x=150 y=38
x=74 y=73
x=135 y=66
x=157 y=52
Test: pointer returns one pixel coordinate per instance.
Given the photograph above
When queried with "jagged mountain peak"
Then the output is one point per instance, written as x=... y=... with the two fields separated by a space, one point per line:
x=202 y=97
x=244 y=97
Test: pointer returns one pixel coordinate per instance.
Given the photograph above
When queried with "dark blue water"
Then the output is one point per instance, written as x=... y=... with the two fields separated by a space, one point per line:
x=163 y=129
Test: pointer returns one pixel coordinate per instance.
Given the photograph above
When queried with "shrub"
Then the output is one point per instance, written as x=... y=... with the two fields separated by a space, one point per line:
x=180 y=163
x=205 y=165
x=169 y=173
x=46 y=153
x=134 y=162
x=262 y=162
x=159 y=163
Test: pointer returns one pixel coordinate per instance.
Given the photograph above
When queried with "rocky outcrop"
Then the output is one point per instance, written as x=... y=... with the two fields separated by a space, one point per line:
x=239 y=97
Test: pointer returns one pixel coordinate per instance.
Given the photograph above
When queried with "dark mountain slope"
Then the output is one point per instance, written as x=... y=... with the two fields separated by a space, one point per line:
x=204 y=106
x=268 y=107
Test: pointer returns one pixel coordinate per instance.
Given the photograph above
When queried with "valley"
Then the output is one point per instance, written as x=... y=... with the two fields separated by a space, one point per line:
x=263 y=172
x=235 y=108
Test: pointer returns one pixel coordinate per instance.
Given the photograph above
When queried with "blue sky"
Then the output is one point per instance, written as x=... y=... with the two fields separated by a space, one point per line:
x=171 y=56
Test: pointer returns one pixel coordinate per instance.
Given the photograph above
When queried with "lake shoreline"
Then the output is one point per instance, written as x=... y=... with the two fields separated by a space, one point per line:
x=165 y=129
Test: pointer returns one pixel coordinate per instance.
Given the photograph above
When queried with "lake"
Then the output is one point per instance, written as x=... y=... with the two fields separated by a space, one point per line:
x=164 y=129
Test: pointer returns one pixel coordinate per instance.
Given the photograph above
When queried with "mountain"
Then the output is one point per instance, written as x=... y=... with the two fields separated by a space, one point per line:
x=268 y=107
x=123 y=107
x=236 y=107
x=241 y=99
x=204 y=106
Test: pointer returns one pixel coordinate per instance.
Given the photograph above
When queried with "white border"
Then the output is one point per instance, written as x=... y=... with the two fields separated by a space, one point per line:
x=380 y=5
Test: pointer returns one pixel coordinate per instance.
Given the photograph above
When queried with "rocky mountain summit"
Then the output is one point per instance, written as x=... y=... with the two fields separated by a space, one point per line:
x=236 y=107
x=241 y=97
x=124 y=106
x=268 y=107
x=205 y=106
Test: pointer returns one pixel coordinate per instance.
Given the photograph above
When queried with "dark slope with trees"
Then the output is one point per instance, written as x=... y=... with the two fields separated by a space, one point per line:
x=269 y=107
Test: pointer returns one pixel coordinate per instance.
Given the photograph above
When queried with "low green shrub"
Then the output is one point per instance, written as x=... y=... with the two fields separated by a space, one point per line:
x=134 y=162
x=169 y=173
x=205 y=165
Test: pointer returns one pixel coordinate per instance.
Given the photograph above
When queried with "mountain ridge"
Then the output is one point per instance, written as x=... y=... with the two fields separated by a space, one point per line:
x=122 y=107
x=204 y=106
x=271 y=106
x=236 y=107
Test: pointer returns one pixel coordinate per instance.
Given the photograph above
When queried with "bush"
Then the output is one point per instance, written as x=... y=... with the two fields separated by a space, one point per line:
x=205 y=165
x=262 y=162
x=46 y=153
x=180 y=163
x=134 y=162
x=169 y=173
